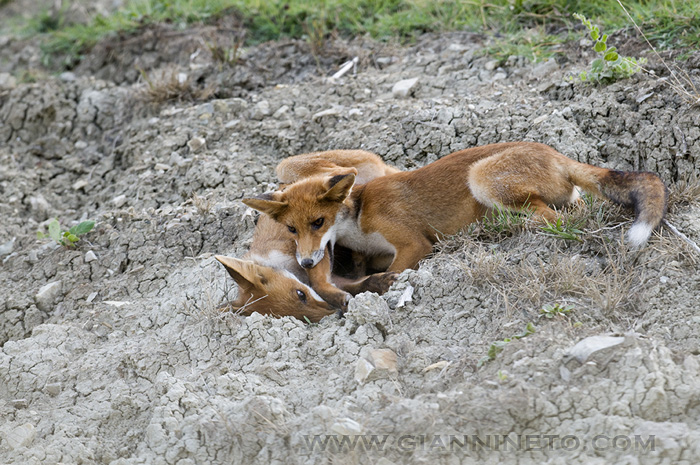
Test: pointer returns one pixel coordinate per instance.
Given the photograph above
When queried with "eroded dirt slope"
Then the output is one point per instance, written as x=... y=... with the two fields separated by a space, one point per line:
x=112 y=352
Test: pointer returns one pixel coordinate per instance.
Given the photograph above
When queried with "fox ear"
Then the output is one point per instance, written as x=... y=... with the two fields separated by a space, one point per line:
x=268 y=204
x=338 y=187
x=242 y=271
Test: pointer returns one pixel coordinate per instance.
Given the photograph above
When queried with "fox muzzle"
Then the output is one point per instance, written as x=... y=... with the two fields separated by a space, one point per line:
x=310 y=262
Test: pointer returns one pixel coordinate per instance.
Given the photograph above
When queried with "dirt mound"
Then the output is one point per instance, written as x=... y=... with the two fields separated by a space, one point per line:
x=113 y=353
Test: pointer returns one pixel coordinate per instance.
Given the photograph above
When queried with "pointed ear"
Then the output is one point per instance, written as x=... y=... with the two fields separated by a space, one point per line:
x=267 y=203
x=242 y=271
x=338 y=187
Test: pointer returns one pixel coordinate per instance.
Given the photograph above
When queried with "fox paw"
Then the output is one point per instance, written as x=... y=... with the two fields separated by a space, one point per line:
x=380 y=282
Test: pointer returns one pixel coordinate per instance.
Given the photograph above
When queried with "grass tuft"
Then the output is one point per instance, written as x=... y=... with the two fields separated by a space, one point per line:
x=170 y=85
x=670 y=23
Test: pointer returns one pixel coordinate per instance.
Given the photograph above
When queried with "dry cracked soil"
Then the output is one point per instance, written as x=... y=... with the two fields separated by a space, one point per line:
x=113 y=352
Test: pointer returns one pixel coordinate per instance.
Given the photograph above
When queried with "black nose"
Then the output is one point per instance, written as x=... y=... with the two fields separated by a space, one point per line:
x=307 y=263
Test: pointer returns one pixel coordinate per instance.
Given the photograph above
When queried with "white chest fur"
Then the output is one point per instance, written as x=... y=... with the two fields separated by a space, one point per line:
x=349 y=234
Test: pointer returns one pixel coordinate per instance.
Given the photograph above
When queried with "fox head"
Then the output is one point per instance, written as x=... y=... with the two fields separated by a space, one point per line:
x=309 y=209
x=270 y=291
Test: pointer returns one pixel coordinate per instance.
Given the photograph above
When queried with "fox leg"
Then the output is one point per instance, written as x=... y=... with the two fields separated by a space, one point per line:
x=540 y=210
x=378 y=282
x=410 y=252
x=320 y=280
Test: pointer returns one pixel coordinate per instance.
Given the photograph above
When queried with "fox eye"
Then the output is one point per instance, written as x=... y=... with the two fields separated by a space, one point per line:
x=292 y=229
x=301 y=295
x=317 y=224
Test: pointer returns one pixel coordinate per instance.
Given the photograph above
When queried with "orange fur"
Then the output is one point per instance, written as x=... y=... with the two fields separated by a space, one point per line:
x=271 y=282
x=405 y=213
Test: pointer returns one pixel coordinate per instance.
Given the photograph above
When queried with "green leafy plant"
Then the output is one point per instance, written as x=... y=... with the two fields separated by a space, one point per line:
x=609 y=66
x=66 y=238
x=555 y=310
x=562 y=230
x=504 y=222
x=497 y=347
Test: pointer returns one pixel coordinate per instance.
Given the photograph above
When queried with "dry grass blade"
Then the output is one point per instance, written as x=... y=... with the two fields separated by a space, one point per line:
x=678 y=79
x=170 y=85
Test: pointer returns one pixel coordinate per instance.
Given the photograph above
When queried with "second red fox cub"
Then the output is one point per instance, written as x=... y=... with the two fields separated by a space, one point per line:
x=404 y=213
x=269 y=279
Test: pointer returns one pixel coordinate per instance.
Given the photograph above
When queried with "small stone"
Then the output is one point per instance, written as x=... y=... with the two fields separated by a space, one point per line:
x=20 y=436
x=196 y=143
x=67 y=76
x=436 y=366
x=7 y=247
x=321 y=114
x=232 y=124
x=407 y=296
x=79 y=184
x=301 y=112
x=81 y=145
x=491 y=65
x=403 y=88
x=220 y=106
x=346 y=427
x=386 y=61
x=39 y=205
x=7 y=81
x=19 y=403
x=642 y=98
x=237 y=105
x=161 y=167
x=206 y=109
x=90 y=256
x=384 y=360
x=354 y=112
x=91 y=297
x=53 y=389
x=281 y=111
x=119 y=201
x=587 y=347
x=47 y=295
x=177 y=160
x=540 y=119
x=362 y=370
x=260 y=110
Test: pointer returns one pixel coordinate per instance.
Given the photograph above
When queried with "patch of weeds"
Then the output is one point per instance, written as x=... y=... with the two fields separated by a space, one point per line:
x=203 y=204
x=171 y=85
x=609 y=66
x=502 y=222
x=550 y=311
x=534 y=44
x=66 y=238
x=228 y=56
x=679 y=80
x=497 y=347
x=685 y=191
x=561 y=229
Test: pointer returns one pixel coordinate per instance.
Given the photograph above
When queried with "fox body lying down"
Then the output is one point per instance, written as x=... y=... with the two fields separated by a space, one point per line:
x=270 y=280
x=404 y=213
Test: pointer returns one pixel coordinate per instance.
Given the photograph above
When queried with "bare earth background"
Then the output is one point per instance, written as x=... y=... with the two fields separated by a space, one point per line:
x=112 y=352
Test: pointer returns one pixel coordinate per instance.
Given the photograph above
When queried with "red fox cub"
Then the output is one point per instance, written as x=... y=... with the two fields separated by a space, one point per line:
x=404 y=213
x=270 y=281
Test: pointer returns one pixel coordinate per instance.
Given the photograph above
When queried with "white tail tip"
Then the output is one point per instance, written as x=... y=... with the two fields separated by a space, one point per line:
x=638 y=234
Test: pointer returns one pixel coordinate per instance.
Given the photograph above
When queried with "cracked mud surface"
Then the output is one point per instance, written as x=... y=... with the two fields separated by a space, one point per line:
x=123 y=360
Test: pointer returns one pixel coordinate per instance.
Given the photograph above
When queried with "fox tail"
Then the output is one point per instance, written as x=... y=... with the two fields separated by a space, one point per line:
x=643 y=191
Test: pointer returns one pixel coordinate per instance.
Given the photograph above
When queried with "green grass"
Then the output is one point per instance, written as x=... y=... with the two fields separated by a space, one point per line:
x=668 y=22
